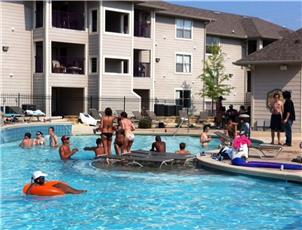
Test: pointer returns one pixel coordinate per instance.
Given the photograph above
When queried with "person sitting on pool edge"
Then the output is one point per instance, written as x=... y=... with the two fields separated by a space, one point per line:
x=204 y=137
x=158 y=145
x=182 y=149
x=64 y=150
x=98 y=149
x=38 y=179
x=27 y=142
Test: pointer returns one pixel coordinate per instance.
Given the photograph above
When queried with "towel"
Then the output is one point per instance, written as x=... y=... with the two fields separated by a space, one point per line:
x=34 y=112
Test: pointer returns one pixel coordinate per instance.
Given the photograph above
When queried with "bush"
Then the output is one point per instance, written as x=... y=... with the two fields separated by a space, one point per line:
x=145 y=123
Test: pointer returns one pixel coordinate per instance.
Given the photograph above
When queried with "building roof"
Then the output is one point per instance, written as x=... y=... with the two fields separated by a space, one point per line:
x=238 y=26
x=285 y=50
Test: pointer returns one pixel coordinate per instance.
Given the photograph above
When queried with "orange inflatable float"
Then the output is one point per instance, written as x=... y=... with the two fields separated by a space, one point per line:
x=47 y=189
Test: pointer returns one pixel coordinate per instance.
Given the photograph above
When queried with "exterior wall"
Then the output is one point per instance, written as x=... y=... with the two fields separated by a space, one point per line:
x=166 y=46
x=268 y=77
x=233 y=50
x=16 y=33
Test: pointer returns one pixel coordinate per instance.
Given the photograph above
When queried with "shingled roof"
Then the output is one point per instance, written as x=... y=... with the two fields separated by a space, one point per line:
x=285 y=50
x=223 y=24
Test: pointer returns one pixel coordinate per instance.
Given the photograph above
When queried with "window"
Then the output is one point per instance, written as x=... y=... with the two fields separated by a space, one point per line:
x=211 y=41
x=183 y=63
x=117 y=22
x=39 y=57
x=115 y=65
x=93 y=21
x=249 y=81
x=183 y=28
x=183 y=98
x=39 y=14
x=93 y=65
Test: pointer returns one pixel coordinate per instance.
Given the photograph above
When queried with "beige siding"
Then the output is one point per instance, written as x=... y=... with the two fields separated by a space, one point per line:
x=166 y=79
x=233 y=51
x=68 y=36
x=16 y=33
x=142 y=43
x=118 y=5
x=269 y=77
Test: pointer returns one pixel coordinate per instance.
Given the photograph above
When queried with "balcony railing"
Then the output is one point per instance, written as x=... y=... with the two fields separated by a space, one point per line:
x=68 y=20
x=141 y=69
x=142 y=30
x=67 y=65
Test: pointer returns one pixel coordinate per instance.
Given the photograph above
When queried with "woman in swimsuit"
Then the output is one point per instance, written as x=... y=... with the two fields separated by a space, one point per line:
x=107 y=130
x=119 y=142
x=128 y=126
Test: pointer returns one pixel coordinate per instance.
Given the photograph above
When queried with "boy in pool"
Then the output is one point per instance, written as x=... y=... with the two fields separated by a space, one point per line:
x=182 y=149
x=98 y=149
x=27 y=142
x=53 y=139
x=65 y=151
x=158 y=145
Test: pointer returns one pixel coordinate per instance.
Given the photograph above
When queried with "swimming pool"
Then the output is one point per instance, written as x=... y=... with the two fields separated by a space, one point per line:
x=190 y=199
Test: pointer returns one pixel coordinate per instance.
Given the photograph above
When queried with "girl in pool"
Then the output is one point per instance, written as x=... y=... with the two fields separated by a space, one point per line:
x=129 y=127
x=204 y=137
x=39 y=139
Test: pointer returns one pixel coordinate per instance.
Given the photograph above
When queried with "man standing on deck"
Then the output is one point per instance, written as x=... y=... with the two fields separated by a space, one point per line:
x=288 y=117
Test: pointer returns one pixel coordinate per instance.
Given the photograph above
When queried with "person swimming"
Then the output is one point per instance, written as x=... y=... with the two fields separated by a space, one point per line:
x=65 y=151
x=204 y=137
x=27 y=142
x=158 y=145
x=129 y=127
x=98 y=149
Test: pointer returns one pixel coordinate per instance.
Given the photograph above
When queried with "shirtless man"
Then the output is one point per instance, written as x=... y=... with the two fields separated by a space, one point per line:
x=128 y=126
x=107 y=129
x=53 y=139
x=204 y=137
x=158 y=145
x=182 y=149
x=98 y=149
x=276 y=118
x=119 y=142
x=65 y=151
x=27 y=142
x=39 y=139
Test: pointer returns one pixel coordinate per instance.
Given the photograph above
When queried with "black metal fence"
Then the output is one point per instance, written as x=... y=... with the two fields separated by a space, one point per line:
x=59 y=105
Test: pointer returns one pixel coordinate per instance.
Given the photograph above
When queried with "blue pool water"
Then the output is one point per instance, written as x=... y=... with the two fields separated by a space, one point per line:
x=116 y=199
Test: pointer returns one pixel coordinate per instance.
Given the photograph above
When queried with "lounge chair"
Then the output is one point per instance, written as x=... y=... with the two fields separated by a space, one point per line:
x=95 y=114
x=262 y=149
x=34 y=113
x=153 y=117
x=87 y=119
x=13 y=113
x=137 y=115
x=203 y=116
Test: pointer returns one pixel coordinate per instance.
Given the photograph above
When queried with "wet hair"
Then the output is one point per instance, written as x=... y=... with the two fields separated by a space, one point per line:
x=158 y=138
x=124 y=114
x=276 y=94
x=287 y=94
x=182 y=145
x=98 y=141
x=39 y=133
x=27 y=135
x=52 y=128
x=205 y=127
x=108 y=111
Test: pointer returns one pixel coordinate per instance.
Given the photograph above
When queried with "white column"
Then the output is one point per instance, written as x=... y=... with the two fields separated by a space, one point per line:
x=47 y=55
x=101 y=22
x=153 y=63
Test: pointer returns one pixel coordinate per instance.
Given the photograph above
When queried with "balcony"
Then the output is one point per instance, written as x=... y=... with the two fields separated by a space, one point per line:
x=68 y=15
x=142 y=24
x=141 y=69
x=67 y=58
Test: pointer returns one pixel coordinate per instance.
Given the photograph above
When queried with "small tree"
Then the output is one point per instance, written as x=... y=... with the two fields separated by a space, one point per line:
x=213 y=76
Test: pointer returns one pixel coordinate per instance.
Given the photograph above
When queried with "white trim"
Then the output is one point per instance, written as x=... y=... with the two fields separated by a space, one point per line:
x=119 y=11
x=100 y=60
x=89 y=65
x=117 y=57
x=152 y=61
x=175 y=61
x=47 y=54
x=184 y=39
x=90 y=21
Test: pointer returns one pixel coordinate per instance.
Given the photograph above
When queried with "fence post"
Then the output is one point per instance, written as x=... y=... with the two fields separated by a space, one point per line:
x=18 y=99
x=124 y=103
x=90 y=101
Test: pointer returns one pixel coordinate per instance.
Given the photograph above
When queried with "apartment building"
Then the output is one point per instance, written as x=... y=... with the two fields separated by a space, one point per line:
x=73 y=55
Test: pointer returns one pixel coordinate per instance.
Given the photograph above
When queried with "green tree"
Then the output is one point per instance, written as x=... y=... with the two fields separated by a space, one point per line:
x=213 y=77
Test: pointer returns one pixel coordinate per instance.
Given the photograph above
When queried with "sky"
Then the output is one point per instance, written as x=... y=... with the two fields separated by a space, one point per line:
x=284 y=13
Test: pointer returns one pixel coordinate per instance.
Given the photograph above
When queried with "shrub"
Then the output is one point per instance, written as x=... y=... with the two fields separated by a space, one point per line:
x=144 y=123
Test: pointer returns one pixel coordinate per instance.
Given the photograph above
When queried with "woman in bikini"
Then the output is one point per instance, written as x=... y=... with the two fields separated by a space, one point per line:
x=107 y=130
x=128 y=126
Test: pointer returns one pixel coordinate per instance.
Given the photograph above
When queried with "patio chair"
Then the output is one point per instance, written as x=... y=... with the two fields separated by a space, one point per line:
x=12 y=113
x=95 y=114
x=137 y=115
x=34 y=113
x=153 y=118
x=203 y=116
x=183 y=115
